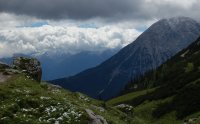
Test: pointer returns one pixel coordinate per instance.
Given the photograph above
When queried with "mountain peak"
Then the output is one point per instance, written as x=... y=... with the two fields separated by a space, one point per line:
x=178 y=21
x=178 y=18
x=169 y=30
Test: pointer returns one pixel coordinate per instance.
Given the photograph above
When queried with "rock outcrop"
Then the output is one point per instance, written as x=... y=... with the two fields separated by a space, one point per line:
x=29 y=66
x=128 y=109
x=95 y=119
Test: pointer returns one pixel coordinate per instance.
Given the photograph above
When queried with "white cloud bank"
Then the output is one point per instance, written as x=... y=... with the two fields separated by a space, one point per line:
x=58 y=39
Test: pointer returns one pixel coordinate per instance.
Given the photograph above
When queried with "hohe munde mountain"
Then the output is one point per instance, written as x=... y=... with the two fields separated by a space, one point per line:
x=158 y=43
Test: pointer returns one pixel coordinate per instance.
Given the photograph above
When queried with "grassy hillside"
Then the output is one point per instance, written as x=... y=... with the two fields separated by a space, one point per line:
x=129 y=96
x=144 y=112
x=169 y=94
x=25 y=101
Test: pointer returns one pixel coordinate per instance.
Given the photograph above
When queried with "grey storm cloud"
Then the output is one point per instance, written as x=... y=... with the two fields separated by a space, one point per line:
x=105 y=9
x=75 y=9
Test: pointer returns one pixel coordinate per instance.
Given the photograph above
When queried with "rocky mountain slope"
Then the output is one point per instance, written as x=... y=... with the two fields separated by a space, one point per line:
x=170 y=92
x=157 y=44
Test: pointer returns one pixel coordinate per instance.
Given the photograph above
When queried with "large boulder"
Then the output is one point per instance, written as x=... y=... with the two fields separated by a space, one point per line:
x=30 y=66
x=95 y=119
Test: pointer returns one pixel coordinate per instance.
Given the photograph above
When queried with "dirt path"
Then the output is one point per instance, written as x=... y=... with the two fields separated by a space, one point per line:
x=3 y=78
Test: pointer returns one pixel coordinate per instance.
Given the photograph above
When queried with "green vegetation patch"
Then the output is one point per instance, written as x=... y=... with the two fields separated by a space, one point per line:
x=25 y=101
x=128 y=97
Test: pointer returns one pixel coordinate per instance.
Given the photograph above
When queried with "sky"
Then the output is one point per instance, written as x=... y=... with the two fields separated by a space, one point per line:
x=72 y=26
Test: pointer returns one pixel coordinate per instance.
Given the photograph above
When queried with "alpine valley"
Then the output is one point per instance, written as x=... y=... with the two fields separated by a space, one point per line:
x=161 y=41
x=153 y=80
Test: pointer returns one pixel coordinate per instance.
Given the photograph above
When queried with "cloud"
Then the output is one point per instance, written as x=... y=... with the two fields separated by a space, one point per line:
x=170 y=8
x=179 y=3
x=75 y=9
x=57 y=39
x=8 y=20
x=108 y=10
x=71 y=26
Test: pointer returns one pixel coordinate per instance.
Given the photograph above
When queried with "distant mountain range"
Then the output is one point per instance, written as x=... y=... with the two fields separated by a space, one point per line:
x=161 y=41
x=58 y=66
x=67 y=65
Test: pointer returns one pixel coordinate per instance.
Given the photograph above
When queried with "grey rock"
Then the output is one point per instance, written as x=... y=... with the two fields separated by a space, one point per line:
x=128 y=109
x=3 y=77
x=95 y=119
x=30 y=66
x=11 y=71
x=55 y=86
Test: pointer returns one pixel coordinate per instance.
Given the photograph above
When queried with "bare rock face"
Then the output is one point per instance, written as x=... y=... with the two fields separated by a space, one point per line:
x=95 y=119
x=30 y=66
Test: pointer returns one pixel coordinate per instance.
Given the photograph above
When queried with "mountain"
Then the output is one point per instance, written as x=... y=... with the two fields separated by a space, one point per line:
x=162 y=40
x=62 y=65
x=170 y=93
x=58 y=66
